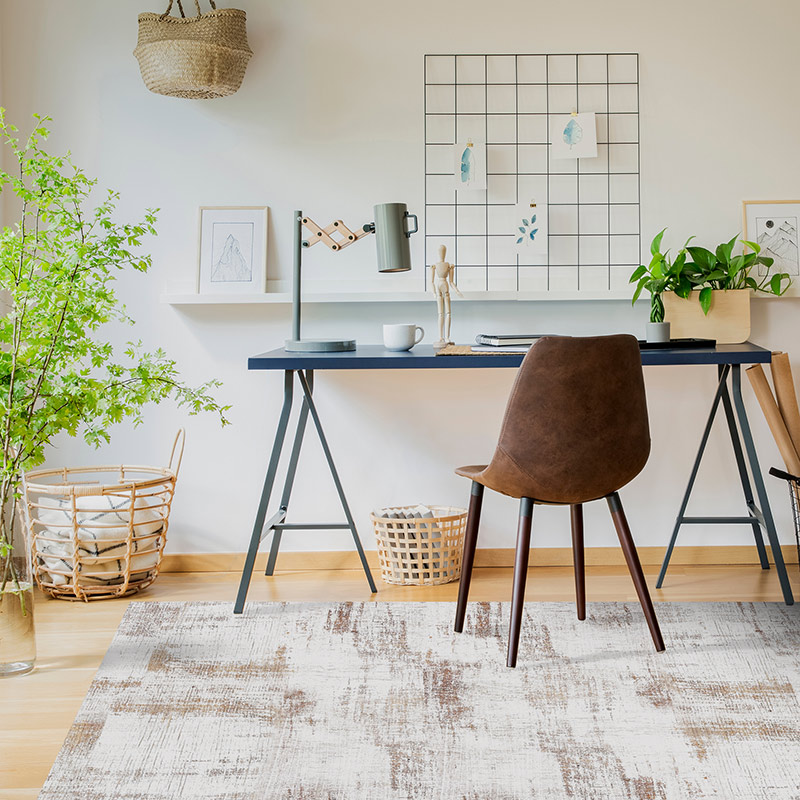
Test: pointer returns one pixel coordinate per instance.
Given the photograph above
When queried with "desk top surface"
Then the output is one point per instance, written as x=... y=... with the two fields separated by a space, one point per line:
x=423 y=356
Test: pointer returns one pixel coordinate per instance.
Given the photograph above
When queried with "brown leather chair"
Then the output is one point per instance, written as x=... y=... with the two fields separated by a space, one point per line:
x=575 y=430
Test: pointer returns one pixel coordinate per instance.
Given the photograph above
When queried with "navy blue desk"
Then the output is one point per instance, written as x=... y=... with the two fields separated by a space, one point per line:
x=375 y=356
x=727 y=358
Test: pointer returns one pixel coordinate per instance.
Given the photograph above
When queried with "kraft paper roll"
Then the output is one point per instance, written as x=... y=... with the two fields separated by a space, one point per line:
x=786 y=396
x=758 y=380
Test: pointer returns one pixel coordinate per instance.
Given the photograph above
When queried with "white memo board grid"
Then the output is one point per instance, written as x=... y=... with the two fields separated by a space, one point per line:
x=507 y=101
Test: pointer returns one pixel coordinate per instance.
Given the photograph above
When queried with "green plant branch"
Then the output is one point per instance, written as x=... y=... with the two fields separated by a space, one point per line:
x=58 y=265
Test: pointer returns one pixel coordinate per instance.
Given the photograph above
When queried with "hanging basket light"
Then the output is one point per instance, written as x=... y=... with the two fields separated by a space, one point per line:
x=199 y=57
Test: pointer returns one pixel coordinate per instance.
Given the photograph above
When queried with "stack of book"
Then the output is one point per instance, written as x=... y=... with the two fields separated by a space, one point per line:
x=505 y=343
x=521 y=343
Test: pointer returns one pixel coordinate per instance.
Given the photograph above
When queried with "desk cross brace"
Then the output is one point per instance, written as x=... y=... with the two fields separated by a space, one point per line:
x=276 y=524
x=758 y=518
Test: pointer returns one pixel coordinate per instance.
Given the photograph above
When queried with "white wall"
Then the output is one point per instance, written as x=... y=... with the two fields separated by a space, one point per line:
x=329 y=119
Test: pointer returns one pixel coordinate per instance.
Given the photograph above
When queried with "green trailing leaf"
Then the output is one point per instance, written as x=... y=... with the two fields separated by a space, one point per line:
x=754 y=246
x=776 y=281
x=725 y=250
x=657 y=267
x=637 y=273
x=678 y=264
x=655 y=245
x=705 y=298
x=637 y=292
x=683 y=288
x=704 y=259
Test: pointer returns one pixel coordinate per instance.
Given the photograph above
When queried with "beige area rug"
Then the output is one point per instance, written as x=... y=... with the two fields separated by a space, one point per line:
x=382 y=701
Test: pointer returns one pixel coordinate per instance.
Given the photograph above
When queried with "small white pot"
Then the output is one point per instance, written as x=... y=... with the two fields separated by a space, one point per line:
x=657 y=331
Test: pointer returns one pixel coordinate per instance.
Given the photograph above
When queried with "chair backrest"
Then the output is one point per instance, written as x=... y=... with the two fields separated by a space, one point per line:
x=576 y=425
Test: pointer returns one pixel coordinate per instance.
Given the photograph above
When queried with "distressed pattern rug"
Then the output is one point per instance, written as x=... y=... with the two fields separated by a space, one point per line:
x=382 y=701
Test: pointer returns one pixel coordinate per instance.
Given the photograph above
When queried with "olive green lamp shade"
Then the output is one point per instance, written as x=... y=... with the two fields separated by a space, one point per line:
x=392 y=236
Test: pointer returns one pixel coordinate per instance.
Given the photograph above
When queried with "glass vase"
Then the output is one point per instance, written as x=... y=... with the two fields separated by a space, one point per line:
x=17 y=637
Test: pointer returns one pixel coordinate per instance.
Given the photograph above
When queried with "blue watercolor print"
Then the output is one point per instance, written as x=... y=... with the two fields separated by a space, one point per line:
x=528 y=231
x=573 y=133
x=467 y=164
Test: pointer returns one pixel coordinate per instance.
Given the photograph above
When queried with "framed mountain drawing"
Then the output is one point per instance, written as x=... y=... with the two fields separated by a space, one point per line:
x=773 y=224
x=233 y=250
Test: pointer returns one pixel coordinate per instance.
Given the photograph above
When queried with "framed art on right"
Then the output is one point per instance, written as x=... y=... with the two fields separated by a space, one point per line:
x=773 y=224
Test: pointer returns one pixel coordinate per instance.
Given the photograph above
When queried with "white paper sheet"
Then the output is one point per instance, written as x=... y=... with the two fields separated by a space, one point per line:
x=573 y=136
x=529 y=226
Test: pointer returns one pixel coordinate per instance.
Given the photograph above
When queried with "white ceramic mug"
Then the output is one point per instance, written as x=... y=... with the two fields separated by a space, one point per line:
x=401 y=337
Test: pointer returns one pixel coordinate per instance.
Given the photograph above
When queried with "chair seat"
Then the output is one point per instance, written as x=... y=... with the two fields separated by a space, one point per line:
x=472 y=472
x=478 y=473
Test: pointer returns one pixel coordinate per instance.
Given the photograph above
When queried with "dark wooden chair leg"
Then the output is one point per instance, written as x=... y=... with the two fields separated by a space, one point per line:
x=520 y=576
x=468 y=554
x=635 y=567
x=576 y=518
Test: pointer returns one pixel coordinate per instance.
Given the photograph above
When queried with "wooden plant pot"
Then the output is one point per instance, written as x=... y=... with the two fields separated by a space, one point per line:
x=728 y=320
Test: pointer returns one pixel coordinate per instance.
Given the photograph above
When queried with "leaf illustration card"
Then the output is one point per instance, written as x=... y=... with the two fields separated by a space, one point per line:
x=470 y=165
x=573 y=136
x=530 y=228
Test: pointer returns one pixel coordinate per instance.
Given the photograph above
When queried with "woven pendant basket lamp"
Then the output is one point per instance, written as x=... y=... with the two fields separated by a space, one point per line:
x=194 y=57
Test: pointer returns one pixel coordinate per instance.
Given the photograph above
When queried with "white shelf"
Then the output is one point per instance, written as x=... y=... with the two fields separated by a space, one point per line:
x=286 y=297
x=378 y=297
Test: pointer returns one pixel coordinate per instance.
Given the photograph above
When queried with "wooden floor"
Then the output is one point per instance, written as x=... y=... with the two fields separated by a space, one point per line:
x=36 y=710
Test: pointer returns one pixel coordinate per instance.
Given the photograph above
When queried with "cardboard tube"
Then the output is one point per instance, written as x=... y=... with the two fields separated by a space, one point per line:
x=786 y=396
x=758 y=380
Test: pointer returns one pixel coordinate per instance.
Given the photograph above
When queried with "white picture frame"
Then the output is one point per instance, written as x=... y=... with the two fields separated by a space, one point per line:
x=232 y=250
x=774 y=224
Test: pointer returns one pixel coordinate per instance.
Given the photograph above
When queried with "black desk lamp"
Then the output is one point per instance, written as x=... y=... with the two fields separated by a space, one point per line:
x=394 y=255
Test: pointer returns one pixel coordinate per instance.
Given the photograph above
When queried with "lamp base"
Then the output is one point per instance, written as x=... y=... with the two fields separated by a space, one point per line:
x=319 y=345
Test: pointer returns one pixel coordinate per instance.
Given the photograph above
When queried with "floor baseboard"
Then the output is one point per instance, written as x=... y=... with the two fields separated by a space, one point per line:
x=484 y=557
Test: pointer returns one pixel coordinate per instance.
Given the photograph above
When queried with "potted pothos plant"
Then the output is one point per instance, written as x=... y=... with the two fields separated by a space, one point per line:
x=58 y=374
x=660 y=276
x=711 y=298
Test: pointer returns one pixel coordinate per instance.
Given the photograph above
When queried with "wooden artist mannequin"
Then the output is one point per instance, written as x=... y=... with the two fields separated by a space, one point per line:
x=442 y=274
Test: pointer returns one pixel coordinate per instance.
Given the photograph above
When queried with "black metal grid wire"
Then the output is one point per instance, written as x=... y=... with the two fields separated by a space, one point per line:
x=629 y=235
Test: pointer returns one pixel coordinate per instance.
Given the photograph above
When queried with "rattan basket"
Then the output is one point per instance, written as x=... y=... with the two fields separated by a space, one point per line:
x=421 y=552
x=198 y=57
x=99 y=532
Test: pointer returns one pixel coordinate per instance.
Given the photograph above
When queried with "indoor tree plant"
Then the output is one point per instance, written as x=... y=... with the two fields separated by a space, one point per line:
x=719 y=282
x=659 y=276
x=58 y=264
